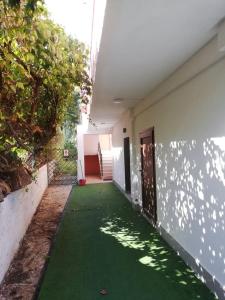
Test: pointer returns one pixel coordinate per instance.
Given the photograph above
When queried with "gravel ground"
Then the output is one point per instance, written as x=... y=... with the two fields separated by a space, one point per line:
x=23 y=276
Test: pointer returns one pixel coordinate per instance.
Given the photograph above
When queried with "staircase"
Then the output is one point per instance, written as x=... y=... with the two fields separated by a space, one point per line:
x=105 y=161
x=106 y=165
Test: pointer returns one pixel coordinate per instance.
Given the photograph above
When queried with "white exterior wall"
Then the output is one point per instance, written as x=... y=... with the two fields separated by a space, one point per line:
x=105 y=141
x=82 y=129
x=189 y=119
x=97 y=23
x=117 y=146
x=190 y=166
x=16 y=213
x=91 y=144
x=80 y=153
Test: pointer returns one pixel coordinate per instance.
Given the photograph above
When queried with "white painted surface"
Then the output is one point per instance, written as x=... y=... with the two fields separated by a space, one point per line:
x=80 y=153
x=91 y=144
x=221 y=37
x=190 y=158
x=105 y=141
x=82 y=129
x=16 y=213
x=143 y=42
x=97 y=23
x=85 y=128
x=118 y=150
x=207 y=56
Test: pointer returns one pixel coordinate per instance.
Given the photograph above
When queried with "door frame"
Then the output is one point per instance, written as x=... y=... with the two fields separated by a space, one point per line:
x=127 y=165
x=143 y=134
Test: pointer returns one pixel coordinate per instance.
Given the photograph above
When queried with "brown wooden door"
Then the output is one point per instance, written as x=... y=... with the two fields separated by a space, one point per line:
x=148 y=174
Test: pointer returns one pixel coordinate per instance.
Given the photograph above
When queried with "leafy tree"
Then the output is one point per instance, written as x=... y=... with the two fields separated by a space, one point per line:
x=40 y=66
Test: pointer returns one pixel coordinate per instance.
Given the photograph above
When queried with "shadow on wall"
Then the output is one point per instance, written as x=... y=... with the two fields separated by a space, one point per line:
x=191 y=198
x=190 y=178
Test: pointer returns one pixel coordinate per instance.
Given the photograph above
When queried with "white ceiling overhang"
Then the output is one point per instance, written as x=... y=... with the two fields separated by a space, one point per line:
x=143 y=42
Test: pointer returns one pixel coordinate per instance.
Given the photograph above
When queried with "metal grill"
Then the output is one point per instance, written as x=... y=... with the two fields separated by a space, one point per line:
x=62 y=167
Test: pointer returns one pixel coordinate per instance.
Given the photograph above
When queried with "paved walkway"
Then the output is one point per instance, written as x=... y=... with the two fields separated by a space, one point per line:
x=104 y=249
x=90 y=179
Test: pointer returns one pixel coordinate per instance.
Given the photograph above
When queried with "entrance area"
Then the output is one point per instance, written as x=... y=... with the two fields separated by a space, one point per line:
x=148 y=174
x=97 y=157
x=92 y=167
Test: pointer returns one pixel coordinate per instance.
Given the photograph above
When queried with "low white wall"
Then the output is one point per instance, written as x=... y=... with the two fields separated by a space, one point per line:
x=16 y=213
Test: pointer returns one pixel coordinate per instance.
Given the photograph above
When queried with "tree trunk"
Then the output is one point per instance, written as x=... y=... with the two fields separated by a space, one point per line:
x=19 y=178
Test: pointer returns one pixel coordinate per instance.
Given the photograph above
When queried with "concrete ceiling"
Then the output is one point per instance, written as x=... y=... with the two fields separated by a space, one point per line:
x=143 y=42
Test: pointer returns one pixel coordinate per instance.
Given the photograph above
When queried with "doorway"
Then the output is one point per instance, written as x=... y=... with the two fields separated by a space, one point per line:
x=126 y=143
x=148 y=177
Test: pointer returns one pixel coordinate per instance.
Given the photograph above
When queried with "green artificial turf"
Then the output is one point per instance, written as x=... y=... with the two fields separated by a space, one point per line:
x=103 y=243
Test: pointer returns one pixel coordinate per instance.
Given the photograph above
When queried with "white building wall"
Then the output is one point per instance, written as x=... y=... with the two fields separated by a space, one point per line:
x=105 y=141
x=82 y=129
x=91 y=144
x=188 y=116
x=97 y=23
x=117 y=146
x=80 y=153
x=16 y=213
x=190 y=166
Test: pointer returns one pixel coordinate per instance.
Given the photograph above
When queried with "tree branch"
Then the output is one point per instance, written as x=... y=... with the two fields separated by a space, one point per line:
x=21 y=144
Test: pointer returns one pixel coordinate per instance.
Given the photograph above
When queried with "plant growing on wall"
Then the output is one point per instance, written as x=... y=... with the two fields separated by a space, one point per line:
x=40 y=66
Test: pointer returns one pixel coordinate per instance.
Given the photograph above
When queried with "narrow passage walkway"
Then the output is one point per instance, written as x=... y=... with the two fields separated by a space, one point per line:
x=103 y=245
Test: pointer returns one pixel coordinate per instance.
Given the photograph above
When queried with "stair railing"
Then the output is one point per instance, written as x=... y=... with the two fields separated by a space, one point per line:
x=100 y=159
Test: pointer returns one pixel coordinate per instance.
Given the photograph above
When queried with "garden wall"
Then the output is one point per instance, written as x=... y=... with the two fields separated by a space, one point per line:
x=16 y=213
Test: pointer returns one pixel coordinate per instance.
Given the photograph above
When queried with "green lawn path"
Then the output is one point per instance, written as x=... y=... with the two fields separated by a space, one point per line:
x=103 y=243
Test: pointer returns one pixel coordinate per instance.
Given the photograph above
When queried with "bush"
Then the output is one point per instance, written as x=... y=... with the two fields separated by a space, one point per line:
x=40 y=66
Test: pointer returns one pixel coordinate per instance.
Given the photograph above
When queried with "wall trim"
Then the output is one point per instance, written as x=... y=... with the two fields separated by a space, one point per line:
x=135 y=205
x=128 y=196
x=179 y=86
x=204 y=59
x=201 y=272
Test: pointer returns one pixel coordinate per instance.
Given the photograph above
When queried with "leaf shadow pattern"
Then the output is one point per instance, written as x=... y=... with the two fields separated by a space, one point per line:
x=152 y=252
x=190 y=185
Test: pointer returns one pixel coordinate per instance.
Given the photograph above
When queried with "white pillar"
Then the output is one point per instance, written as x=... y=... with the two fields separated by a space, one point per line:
x=80 y=152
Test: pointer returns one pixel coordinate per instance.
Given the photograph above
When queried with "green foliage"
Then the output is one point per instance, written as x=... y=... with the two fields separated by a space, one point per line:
x=72 y=117
x=66 y=168
x=72 y=113
x=40 y=67
x=70 y=146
